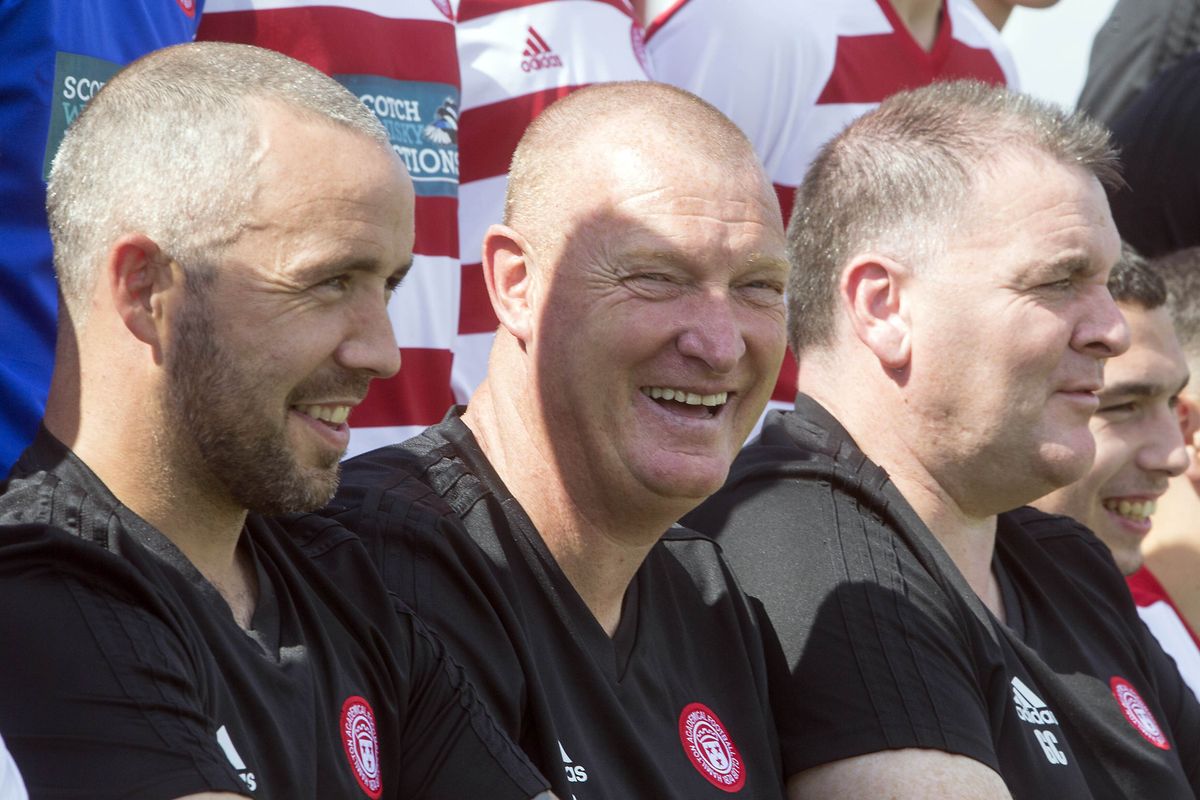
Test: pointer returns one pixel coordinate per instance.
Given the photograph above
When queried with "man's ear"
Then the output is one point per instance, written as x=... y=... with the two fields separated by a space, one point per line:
x=508 y=274
x=139 y=276
x=1187 y=407
x=1188 y=410
x=872 y=293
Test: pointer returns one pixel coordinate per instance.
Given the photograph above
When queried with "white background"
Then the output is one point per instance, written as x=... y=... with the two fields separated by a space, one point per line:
x=1052 y=45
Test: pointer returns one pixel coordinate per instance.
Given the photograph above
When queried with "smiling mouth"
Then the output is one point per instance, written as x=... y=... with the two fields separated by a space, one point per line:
x=333 y=416
x=1135 y=510
x=689 y=403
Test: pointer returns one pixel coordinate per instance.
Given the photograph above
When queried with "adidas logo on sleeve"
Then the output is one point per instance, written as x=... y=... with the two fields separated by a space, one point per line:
x=1033 y=710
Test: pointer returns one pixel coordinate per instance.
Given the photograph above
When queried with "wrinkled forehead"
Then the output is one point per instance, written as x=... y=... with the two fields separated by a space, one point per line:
x=1027 y=214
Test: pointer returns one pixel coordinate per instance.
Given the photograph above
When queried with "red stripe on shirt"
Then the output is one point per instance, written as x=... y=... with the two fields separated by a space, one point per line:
x=488 y=137
x=475 y=313
x=437 y=226
x=785 y=386
x=868 y=69
x=418 y=395
x=474 y=9
x=787 y=197
x=344 y=40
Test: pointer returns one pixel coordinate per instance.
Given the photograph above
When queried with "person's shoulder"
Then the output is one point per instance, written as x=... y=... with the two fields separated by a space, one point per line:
x=802 y=459
x=702 y=560
x=1066 y=546
x=397 y=481
x=1056 y=531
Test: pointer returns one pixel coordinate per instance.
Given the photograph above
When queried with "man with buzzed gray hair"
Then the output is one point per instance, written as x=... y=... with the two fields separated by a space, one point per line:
x=949 y=310
x=638 y=278
x=228 y=225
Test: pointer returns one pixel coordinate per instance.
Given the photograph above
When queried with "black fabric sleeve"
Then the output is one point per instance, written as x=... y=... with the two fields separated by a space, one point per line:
x=873 y=656
x=447 y=724
x=432 y=565
x=444 y=723
x=98 y=686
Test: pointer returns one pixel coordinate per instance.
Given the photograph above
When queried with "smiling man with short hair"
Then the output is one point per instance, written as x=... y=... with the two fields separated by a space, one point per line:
x=638 y=278
x=949 y=308
x=229 y=225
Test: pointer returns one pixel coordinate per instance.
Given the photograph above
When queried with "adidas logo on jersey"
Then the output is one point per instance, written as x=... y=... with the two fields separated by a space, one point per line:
x=576 y=773
x=235 y=759
x=1030 y=707
x=538 y=54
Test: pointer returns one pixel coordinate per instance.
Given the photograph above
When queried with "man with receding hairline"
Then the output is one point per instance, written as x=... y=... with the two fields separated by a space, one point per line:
x=229 y=225
x=949 y=309
x=638 y=278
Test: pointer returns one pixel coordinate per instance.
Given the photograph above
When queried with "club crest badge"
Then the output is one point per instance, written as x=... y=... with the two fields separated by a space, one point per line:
x=710 y=748
x=361 y=741
x=1138 y=713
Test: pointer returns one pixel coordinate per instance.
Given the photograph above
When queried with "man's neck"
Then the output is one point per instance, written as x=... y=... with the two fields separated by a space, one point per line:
x=648 y=10
x=922 y=18
x=598 y=553
x=129 y=454
x=996 y=11
x=969 y=539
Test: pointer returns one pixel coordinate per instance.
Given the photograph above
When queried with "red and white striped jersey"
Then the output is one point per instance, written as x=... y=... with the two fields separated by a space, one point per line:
x=793 y=73
x=400 y=58
x=517 y=57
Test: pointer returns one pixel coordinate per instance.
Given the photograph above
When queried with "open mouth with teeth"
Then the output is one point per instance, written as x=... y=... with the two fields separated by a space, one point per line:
x=1133 y=510
x=691 y=404
x=332 y=416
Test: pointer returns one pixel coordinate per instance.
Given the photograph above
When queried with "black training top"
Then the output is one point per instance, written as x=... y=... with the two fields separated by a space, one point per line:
x=887 y=647
x=123 y=672
x=673 y=706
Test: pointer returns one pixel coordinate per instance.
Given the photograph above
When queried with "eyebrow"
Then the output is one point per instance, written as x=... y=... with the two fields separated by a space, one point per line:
x=1071 y=265
x=1139 y=389
x=354 y=264
x=672 y=258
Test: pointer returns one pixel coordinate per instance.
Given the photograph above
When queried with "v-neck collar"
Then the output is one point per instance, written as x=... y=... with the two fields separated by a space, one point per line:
x=612 y=654
x=936 y=55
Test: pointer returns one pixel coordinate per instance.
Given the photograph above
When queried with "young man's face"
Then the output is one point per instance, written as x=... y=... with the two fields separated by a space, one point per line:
x=1139 y=445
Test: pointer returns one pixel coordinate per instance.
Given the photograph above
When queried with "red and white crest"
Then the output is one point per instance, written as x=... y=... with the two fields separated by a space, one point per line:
x=1138 y=713
x=710 y=749
x=361 y=741
x=188 y=7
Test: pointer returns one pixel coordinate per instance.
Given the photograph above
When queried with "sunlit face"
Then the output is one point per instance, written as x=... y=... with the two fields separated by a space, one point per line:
x=266 y=362
x=1011 y=327
x=659 y=322
x=1138 y=441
